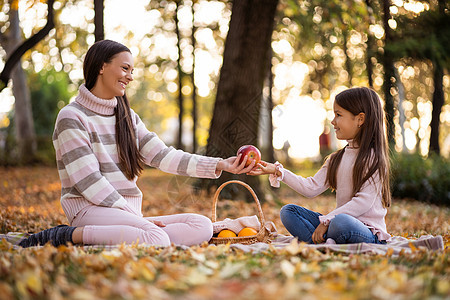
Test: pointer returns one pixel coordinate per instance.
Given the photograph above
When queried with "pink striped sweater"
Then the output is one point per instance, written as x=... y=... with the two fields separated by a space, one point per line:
x=87 y=160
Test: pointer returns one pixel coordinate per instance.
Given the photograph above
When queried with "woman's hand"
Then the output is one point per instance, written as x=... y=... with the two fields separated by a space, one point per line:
x=318 y=234
x=233 y=166
x=264 y=168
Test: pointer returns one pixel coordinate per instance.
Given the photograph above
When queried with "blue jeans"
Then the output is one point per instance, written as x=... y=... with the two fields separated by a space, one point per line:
x=343 y=229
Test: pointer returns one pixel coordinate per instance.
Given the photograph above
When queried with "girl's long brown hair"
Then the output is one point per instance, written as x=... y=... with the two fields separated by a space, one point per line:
x=131 y=160
x=371 y=139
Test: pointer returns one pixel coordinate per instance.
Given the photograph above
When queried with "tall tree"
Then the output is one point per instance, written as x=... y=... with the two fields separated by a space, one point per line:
x=438 y=102
x=14 y=47
x=269 y=152
x=180 y=80
x=236 y=113
x=23 y=120
x=194 y=89
x=98 y=20
x=389 y=74
x=18 y=51
x=370 y=44
x=345 y=33
x=438 y=76
x=427 y=37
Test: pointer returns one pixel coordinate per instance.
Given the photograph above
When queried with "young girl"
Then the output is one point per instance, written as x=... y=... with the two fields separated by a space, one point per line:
x=101 y=147
x=359 y=173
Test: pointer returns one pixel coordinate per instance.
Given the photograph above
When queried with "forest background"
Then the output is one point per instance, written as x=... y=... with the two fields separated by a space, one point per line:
x=194 y=93
x=209 y=77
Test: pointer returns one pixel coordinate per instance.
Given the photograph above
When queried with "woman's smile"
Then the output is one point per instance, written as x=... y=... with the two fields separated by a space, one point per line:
x=114 y=76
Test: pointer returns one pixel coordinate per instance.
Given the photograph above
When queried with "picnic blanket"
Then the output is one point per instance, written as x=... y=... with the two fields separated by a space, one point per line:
x=395 y=246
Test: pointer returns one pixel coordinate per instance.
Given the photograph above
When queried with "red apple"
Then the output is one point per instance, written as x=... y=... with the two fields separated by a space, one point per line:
x=252 y=152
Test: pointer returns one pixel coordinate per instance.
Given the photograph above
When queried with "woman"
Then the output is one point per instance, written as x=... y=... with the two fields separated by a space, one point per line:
x=101 y=147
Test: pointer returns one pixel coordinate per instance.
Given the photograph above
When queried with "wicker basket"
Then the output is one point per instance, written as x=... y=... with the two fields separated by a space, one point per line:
x=263 y=235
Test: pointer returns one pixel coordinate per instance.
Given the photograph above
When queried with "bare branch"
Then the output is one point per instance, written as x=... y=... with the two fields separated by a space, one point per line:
x=25 y=46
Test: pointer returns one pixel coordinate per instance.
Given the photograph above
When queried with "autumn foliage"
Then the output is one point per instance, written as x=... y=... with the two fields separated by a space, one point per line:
x=29 y=200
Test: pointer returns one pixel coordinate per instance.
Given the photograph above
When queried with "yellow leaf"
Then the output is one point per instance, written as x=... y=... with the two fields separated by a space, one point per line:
x=413 y=248
x=29 y=281
x=287 y=268
x=443 y=287
x=293 y=248
x=230 y=269
x=196 y=278
x=200 y=257
x=5 y=245
x=389 y=252
x=146 y=273
x=111 y=255
x=399 y=277
x=34 y=283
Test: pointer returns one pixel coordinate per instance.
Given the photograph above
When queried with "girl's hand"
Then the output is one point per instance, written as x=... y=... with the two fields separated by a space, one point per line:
x=232 y=165
x=318 y=234
x=263 y=168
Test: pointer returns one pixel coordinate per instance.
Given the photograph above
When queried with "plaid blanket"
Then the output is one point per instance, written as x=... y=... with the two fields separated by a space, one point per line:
x=394 y=246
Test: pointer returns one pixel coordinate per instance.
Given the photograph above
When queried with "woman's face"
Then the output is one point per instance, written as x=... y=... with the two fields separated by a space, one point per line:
x=114 y=76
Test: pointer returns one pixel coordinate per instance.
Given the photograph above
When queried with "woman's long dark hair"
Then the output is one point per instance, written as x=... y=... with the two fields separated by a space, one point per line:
x=371 y=140
x=131 y=160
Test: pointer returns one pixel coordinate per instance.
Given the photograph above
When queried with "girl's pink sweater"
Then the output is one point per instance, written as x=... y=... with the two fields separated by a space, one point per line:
x=366 y=205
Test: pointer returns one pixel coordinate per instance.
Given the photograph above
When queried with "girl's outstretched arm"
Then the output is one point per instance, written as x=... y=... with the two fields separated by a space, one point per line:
x=308 y=187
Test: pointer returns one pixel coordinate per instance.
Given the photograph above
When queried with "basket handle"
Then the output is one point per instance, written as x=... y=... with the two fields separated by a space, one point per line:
x=216 y=197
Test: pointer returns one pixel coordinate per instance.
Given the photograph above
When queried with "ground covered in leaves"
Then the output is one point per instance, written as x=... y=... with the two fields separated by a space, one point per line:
x=29 y=201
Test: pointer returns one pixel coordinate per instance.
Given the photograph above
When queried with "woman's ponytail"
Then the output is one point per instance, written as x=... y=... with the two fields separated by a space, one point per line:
x=131 y=160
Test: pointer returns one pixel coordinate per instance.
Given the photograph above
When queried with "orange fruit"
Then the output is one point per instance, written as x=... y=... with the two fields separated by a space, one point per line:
x=226 y=233
x=247 y=231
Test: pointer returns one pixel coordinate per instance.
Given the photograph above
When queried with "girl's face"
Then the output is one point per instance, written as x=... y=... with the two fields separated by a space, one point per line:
x=345 y=123
x=114 y=76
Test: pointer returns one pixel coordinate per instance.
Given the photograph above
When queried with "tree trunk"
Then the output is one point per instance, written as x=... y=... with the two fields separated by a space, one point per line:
x=348 y=64
x=389 y=76
x=98 y=20
x=438 y=102
x=370 y=43
x=401 y=111
x=194 y=90
x=438 y=97
x=245 y=64
x=270 y=152
x=23 y=118
x=265 y=134
x=180 y=82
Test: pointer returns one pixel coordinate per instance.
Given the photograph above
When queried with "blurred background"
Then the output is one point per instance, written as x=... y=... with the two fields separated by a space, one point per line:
x=191 y=61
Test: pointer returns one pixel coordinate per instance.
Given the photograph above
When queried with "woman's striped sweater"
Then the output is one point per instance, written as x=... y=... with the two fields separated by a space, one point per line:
x=87 y=160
